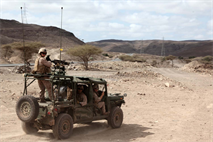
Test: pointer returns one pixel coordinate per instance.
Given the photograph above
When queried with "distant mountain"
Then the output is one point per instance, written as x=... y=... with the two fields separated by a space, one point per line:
x=11 y=31
x=185 y=48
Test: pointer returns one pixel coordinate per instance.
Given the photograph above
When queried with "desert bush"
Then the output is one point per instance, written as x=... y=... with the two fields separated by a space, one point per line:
x=110 y=56
x=26 y=51
x=125 y=58
x=154 y=63
x=134 y=58
x=187 y=61
x=6 y=51
x=207 y=58
x=191 y=57
x=105 y=54
x=170 y=57
x=163 y=59
x=180 y=57
x=84 y=53
x=138 y=58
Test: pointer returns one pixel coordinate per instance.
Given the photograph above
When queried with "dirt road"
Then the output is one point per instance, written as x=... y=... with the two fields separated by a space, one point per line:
x=153 y=112
x=198 y=104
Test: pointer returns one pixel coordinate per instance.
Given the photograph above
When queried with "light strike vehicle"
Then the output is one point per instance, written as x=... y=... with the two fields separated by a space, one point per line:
x=61 y=113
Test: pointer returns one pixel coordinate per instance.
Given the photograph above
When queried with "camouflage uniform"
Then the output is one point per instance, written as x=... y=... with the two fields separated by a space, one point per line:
x=42 y=66
x=69 y=93
x=99 y=104
x=82 y=99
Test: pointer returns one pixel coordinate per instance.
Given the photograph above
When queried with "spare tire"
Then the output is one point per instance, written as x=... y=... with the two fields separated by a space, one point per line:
x=27 y=108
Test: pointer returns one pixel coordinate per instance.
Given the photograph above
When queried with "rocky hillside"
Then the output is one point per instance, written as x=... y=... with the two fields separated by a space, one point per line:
x=11 y=31
x=177 y=48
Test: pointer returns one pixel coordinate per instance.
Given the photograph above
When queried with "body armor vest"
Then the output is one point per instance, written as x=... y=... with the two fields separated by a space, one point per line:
x=40 y=68
x=79 y=98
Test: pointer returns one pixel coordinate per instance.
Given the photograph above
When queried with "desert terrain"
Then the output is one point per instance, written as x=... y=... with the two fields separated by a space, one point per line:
x=162 y=104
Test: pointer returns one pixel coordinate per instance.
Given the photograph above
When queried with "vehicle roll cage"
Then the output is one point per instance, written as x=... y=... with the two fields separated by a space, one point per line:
x=61 y=80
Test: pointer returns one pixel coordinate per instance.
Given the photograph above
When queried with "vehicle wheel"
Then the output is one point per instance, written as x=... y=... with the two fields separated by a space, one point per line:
x=63 y=126
x=27 y=108
x=28 y=128
x=115 y=118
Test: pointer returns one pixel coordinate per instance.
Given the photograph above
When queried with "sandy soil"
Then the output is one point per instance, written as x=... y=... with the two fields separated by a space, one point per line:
x=182 y=112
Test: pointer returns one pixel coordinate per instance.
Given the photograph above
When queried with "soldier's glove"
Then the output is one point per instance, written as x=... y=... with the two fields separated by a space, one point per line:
x=48 y=58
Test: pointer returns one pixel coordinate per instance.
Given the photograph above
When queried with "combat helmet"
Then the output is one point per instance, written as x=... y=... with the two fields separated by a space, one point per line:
x=42 y=50
x=95 y=86
x=80 y=87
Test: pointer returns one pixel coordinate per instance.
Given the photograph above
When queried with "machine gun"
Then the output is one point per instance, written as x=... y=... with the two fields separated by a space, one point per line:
x=59 y=62
x=59 y=66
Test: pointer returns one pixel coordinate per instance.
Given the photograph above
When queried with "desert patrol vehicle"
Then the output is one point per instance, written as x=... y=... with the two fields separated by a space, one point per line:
x=61 y=113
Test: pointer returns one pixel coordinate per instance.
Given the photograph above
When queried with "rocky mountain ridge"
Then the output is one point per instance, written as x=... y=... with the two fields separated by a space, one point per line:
x=177 y=48
x=12 y=31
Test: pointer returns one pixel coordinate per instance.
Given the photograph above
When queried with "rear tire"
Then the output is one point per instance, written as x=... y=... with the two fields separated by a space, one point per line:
x=27 y=108
x=115 y=118
x=28 y=128
x=63 y=127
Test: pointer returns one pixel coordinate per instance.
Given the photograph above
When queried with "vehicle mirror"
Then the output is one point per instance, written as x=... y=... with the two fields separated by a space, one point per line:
x=125 y=95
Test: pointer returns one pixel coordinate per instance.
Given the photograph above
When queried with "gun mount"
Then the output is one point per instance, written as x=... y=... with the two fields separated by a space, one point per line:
x=59 y=67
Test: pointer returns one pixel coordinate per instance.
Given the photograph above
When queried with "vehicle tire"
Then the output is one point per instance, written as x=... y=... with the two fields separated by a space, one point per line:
x=63 y=127
x=28 y=128
x=27 y=108
x=115 y=118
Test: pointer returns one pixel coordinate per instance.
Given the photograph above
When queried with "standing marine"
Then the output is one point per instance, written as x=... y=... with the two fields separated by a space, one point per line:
x=42 y=66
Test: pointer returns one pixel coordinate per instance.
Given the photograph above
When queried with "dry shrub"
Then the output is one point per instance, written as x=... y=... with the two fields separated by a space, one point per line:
x=28 y=49
x=207 y=59
x=154 y=63
x=134 y=58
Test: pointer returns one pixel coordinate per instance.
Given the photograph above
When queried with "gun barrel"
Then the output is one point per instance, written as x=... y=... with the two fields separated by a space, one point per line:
x=60 y=62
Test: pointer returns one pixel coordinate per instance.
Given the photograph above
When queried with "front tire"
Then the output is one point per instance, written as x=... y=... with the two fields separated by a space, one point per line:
x=115 y=118
x=27 y=108
x=28 y=128
x=63 y=127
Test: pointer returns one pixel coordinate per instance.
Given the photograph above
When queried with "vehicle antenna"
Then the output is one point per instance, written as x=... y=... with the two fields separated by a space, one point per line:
x=23 y=41
x=61 y=33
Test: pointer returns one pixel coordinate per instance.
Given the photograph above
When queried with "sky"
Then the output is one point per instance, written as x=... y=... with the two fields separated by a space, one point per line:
x=94 y=20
